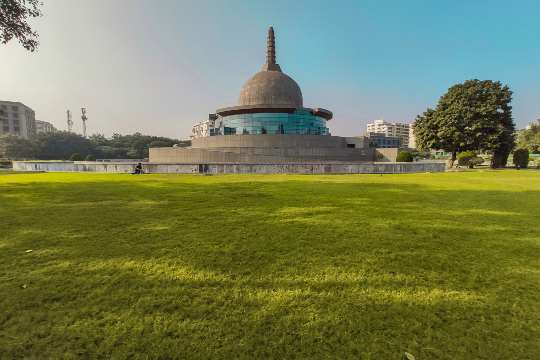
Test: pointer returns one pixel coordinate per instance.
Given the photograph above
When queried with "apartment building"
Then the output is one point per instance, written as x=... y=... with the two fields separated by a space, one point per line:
x=44 y=127
x=17 y=119
x=391 y=130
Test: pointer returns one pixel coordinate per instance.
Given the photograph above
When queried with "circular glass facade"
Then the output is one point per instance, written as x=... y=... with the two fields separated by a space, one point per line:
x=300 y=122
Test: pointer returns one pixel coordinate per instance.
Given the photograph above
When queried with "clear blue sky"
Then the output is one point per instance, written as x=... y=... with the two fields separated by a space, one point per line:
x=160 y=66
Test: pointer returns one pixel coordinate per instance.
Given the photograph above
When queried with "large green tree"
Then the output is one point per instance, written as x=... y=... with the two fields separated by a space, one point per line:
x=475 y=115
x=14 y=16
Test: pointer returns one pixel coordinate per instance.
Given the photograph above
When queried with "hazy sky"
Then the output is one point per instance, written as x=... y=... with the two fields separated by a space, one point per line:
x=158 y=66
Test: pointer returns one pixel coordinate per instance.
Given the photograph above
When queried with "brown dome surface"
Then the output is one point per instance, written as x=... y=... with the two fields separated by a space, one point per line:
x=271 y=88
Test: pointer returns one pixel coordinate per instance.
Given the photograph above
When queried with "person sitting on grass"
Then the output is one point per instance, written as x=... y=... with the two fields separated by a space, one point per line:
x=138 y=169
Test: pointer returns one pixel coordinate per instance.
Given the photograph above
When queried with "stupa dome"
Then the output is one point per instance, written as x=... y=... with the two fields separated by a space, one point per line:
x=270 y=86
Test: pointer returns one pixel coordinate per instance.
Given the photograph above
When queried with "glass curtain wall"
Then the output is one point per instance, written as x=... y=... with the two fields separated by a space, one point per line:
x=299 y=122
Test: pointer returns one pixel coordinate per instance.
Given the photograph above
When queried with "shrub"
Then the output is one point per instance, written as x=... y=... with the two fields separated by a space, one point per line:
x=521 y=158
x=5 y=164
x=76 y=157
x=90 y=157
x=465 y=158
x=404 y=156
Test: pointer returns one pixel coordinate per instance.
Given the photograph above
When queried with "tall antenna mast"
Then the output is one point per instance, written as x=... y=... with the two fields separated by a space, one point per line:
x=69 y=121
x=83 y=118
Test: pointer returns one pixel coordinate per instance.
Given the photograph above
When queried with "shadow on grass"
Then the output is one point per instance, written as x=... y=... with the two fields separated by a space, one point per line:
x=268 y=270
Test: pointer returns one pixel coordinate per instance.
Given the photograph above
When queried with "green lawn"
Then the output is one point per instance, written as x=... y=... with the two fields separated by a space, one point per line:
x=444 y=266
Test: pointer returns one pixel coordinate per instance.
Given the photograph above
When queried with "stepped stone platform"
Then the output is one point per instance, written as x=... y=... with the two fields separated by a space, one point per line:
x=270 y=148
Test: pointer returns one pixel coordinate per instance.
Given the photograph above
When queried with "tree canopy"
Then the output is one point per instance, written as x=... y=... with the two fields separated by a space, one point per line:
x=16 y=148
x=475 y=115
x=14 y=16
x=62 y=145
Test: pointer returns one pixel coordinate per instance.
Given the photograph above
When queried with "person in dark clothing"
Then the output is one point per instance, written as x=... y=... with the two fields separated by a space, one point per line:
x=138 y=169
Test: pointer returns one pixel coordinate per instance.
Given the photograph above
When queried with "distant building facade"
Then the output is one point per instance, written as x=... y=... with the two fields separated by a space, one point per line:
x=17 y=119
x=530 y=125
x=412 y=138
x=44 y=127
x=398 y=130
x=203 y=128
x=380 y=140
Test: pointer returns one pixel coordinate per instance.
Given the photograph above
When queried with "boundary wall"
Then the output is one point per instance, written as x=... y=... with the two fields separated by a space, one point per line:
x=232 y=168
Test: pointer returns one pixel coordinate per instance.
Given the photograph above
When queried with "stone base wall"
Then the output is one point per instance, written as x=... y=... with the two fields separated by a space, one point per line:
x=259 y=155
x=267 y=149
x=239 y=168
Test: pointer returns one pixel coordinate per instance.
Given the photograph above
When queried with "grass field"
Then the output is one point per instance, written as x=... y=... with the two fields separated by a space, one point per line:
x=444 y=266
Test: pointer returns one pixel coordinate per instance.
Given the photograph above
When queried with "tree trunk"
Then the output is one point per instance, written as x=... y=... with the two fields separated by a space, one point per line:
x=499 y=159
x=453 y=160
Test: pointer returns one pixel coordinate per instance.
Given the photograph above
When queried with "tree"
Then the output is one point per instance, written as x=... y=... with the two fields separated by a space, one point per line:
x=136 y=146
x=469 y=159
x=98 y=140
x=530 y=138
x=76 y=157
x=17 y=148
x=14 y=16
x=475 y=115
x=62 y=145
x=404 y=156
x=521 y=158
x=465 y=157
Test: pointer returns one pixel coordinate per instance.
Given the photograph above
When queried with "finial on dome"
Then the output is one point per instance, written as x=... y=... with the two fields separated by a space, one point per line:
x=271 y=52
x=271 y=47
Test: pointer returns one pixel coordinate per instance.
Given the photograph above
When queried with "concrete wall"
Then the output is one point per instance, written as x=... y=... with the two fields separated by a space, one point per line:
x=306 y=168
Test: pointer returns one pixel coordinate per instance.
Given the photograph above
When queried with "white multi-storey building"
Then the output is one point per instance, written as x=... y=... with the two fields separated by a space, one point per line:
x=202 y=129
x=44 y=127
x=17 y=119
x=398 y=130
x=412 y=138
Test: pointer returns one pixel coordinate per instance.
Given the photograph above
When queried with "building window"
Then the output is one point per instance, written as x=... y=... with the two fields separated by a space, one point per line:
x=15 y=115
x=15 y=108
